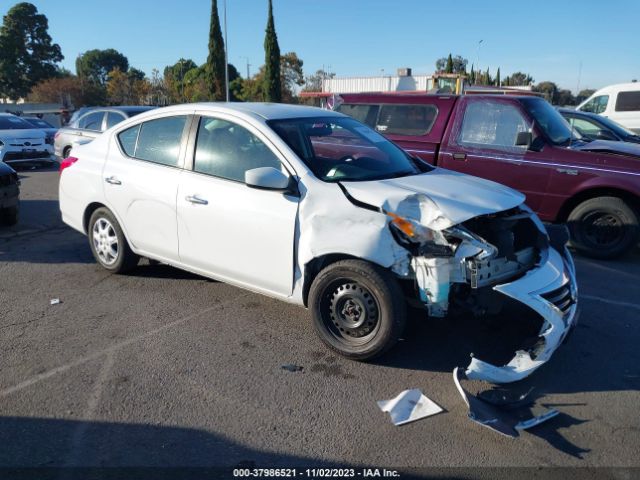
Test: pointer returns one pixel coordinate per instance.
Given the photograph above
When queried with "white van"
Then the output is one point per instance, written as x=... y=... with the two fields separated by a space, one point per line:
x=620 y=103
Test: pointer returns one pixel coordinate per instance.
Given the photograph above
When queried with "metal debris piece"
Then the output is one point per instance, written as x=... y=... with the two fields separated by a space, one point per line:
x=55 y=301
x=409 y=406
x=290 y=367
x=502 y=417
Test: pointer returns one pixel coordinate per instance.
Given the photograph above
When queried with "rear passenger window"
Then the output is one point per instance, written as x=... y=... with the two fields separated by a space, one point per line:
x=156 y=141
x=409 y=120
x=628 y=102
x=366 y=114
x=114 y=118
x=227 y=150
x=128 y=140
x=91 y=121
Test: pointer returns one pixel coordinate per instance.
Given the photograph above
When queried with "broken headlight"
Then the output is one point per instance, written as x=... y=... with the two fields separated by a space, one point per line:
x=417 y=238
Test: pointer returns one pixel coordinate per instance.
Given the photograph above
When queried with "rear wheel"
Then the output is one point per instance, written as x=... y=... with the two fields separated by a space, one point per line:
x=603 y=227
x=108 y=243
x=358 y=309
x=9 y=216
x=66 y=152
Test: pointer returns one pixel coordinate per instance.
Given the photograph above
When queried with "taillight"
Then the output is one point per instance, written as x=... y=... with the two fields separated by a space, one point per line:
x=67 y=162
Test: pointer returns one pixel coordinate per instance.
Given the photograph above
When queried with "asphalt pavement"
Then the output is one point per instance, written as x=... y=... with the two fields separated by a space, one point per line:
x=164 y=368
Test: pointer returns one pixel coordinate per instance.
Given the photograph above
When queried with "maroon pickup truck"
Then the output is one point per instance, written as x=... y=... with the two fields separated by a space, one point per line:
x=522 y=142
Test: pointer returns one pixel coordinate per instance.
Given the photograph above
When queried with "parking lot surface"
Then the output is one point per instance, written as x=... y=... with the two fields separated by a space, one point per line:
x=163 y=368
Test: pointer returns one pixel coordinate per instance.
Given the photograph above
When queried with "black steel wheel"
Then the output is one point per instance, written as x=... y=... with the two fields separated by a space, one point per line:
x=358 y=308
x=603 y=227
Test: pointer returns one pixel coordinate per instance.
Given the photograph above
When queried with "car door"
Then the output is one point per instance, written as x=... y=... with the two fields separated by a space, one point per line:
x=482 y=142
x=225 y=228
x=141 y=177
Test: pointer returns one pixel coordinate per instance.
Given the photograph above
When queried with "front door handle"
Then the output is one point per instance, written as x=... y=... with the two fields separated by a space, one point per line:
x=112 y=180
x=460 y=156
x=196 y=200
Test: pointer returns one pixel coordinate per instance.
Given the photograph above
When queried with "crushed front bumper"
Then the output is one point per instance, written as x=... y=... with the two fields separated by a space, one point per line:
x=551 y=291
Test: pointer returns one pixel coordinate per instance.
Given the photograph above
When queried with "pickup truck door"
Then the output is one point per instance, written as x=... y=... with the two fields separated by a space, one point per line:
x=481 y=141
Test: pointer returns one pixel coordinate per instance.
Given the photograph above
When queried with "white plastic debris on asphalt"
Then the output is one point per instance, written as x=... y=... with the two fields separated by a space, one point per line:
x=409 y=406
x=55 y=301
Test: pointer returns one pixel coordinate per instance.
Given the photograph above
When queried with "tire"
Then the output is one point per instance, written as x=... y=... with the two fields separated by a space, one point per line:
x=9 y=216
x=603 y=227
x=108 y=244
x=66 y=152
x=358 y=309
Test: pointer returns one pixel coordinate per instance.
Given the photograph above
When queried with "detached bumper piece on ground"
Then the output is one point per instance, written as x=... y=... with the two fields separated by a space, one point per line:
x=409 y=406
x=507 y=416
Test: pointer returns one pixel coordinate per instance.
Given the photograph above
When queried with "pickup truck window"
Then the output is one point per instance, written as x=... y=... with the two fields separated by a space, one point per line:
x=367 y=114
x=338 y=149
x=411 y=120
x=494 y=124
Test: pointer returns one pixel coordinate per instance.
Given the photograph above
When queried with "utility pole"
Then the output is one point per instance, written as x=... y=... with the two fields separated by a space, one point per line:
x=248 y=65
x=226 y=57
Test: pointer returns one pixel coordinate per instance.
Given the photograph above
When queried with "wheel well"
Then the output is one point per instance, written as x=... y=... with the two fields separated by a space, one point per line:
x=92 y=207
x=577 y=199
x=313 y=268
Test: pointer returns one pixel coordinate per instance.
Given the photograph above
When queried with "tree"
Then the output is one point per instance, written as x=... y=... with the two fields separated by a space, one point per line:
x=584 y=94
x=520 y=79
x=449 y=67
x=291 y=76
x=118 y=87
x=272 y=86
x=173 y=79
x=565 y=98
x=472 y=76
x=216 y=59
x=313 y=83
x=27 y=54
x=548 y=89
x=498 y=84
x=95 y=65
x=68 y=91
x=459 y=64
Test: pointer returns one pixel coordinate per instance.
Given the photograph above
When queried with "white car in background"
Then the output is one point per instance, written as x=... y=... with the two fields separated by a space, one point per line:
x=21 y=142
x=620 y=103
x=317 y=209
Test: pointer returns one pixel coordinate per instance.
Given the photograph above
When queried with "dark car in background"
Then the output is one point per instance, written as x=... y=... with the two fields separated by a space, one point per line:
x=40 y=124
x=9 y=195
x=596 y=127
x=91 y=124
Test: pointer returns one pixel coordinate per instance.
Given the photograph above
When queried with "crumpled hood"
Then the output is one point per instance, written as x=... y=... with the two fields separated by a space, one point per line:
x=608 y=146
x=438 y=199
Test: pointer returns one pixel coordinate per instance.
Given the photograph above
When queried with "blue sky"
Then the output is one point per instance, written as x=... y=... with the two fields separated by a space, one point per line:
x=548 y=40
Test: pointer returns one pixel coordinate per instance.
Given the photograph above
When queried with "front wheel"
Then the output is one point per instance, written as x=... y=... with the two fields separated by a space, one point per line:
x=358 y=309
x=108 y=244
x=603 y=227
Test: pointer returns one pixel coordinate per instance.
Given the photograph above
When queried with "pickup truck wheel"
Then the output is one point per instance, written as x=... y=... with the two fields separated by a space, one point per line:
x=9 y=216
x=603 y=227
x=358 y=309
x=108 y=244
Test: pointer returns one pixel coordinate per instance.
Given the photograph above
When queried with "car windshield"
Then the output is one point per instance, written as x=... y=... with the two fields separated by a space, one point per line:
x=616 y=127
x=555 y=127
x=39 y=123
x=11 y=122
x=343 y=149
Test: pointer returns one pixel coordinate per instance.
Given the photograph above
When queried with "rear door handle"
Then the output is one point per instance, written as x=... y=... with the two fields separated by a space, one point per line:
x=460 y=156
x=196 y=200
x=112 y=180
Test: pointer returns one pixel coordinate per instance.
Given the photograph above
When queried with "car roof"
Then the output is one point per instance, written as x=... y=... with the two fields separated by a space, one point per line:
x=267 y=111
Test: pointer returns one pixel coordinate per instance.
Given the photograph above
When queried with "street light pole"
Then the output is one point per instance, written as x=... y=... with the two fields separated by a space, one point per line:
x=226 y=56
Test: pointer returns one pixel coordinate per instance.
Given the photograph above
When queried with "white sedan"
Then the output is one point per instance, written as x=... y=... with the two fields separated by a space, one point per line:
x=317 y=209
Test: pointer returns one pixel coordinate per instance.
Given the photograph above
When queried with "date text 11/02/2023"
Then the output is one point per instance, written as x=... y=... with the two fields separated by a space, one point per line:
x=316 y=473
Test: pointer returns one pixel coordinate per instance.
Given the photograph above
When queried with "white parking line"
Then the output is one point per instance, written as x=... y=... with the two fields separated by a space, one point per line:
x=80 y=361
x=611 y=302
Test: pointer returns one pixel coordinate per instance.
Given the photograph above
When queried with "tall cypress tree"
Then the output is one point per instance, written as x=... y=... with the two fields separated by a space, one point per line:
x=472 y=76
x=449 y=67
x=215 y=61
x=498 y=77
x=272 y=87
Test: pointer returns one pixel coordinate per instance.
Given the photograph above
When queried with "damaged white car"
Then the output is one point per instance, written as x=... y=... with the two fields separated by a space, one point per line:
x=317 y=209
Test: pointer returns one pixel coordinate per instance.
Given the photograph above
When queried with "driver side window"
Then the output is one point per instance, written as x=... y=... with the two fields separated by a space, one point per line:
x=596 y=104
x=490 y=124
x=227 y=150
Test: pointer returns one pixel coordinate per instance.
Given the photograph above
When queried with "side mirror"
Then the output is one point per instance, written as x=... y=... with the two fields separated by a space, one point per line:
x=524 y=139
x=266 y=178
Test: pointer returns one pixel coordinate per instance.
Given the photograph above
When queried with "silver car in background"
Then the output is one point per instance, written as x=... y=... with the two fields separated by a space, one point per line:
x=91 y=124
